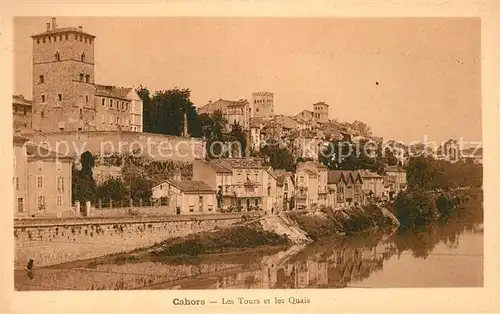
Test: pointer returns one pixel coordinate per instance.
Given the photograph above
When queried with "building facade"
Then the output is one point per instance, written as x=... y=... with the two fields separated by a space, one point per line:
x=187 y=197
x=373 y=183
x=320 y=111
x=42 y=181
x=262 y=104
x=21 y=110
x=65 y=96
x=243 y=184
x=238 y=111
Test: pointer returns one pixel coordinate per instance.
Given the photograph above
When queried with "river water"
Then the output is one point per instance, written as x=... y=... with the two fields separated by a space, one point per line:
x=448 y=254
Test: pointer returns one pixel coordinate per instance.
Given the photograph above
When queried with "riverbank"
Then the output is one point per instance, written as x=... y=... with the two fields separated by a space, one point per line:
x=417 y=208
x=286 y=228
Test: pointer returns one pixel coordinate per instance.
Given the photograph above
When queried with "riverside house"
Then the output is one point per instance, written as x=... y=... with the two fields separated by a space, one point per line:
x=239 y=182
x=311 y=184
x=373 y=183
x=345 y=188
x=187 y=197
x=337 y=184
x=397 y=176
x=42 y=181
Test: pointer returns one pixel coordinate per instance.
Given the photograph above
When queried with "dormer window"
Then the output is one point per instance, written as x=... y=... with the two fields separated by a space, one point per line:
x=83 y=56
x=58 y=56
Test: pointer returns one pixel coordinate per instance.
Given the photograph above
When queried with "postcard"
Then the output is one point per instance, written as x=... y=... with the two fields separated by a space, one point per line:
x=250 y=157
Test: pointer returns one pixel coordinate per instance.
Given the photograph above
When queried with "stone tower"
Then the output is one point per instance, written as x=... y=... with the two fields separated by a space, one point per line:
x=320 y=111
x=63 y=79
x=262 y=104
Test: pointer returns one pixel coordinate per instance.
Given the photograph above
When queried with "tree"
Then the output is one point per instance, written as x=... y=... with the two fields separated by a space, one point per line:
x=278 y=158
x=113 y=189
x=83 y=184
x=238 y=134
x=164 y=111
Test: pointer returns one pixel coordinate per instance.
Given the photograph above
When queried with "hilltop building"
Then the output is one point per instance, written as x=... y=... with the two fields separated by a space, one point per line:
x=65 y=96
x=235 y=111
x=263 y=104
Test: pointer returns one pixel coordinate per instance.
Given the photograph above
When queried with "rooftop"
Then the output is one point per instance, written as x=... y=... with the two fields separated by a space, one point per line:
x=190 y=186
x=20 y=100
x=52 y=28
x=112 y=91
x=39 y=152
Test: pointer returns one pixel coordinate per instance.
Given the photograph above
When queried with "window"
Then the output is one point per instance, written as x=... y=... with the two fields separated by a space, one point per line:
x=42 y=114
x=41 y=79
x=103 y=101
x=40 y=202
x=39 y=182
x=43 y=40
x=86 y=98
x=55 y=38
x=38 y=40
x=83 y=55
x=60 y=37
x=59 y=200
x=285 y=185
x=117 y=120
x=256 y=202
x=81 y=39
x=87 y=78
x=17 y=183
x=111 y=103
x=81 y=77
x=60 y=184
x=43 y=99
x=20 y=205
x=81 y=113
x=85 y=40
x=59 y=96
x=66 y=36
x=268 y=191
x=201 y=202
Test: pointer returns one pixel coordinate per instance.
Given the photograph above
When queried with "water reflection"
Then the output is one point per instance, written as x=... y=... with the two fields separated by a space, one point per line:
x=374 y=259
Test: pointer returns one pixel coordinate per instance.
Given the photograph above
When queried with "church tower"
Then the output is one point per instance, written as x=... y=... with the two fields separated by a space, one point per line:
x=63 y=79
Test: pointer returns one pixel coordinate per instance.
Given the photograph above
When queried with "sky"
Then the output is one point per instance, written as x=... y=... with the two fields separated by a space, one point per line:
x=428 y=70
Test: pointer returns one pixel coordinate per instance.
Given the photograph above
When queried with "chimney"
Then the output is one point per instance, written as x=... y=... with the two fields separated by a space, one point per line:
x=48 y=27
x=54 y=26
x=80 y=28
x=177 y=175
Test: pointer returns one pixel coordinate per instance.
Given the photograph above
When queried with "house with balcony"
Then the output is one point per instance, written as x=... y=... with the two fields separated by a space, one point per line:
x=239 y=182
x=311 y=184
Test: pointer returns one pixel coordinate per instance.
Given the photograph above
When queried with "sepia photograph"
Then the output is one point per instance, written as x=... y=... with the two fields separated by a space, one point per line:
x=247 y=153
x=288 y=154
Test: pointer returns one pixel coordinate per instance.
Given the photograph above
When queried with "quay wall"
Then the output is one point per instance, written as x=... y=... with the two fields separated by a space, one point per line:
x=56 y=241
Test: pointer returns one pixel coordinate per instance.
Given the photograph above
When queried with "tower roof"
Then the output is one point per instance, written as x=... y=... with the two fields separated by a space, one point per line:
x=62 y=31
